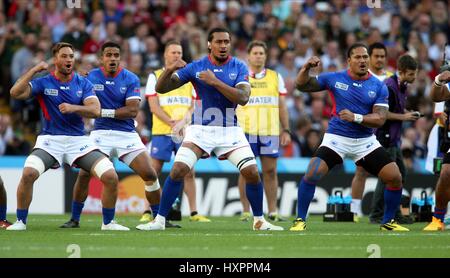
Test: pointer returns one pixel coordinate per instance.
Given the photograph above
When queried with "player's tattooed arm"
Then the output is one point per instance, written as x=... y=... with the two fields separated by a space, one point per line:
x=21 y=89
x=129 y=111
x=374 y=120
x=239 y=94
x=89 y=109
x=169 y=81
x=439 y=91
x=304 y=82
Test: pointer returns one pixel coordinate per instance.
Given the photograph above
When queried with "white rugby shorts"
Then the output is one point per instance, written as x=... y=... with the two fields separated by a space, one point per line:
x=353 y=148
x=65 y=149
x=127 y=145
x=218 y=139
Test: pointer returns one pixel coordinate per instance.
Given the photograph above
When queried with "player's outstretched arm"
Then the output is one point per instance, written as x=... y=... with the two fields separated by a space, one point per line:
x=129 y=111
x=439 y=92
x=239 y=94
x=21 y=89
x=168 y=81
x=89 y=109
x=304 y=82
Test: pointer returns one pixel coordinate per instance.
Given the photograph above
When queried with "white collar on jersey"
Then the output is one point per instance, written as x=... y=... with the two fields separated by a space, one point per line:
x=258 y=75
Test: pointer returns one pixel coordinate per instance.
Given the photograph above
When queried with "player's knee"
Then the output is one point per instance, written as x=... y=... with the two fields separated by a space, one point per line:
x=271 y=171
x=149 y=175
x=110 y=178
x=29 y=175
x=179 y=171
x=393 y=179
x=251 y=174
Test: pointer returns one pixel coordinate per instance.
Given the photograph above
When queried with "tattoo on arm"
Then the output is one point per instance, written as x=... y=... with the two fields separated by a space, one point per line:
x=312 y=85
x=381 y=110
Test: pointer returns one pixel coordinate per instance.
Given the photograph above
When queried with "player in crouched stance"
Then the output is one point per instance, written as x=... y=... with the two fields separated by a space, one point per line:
x=118 y=91
x=360 y=104
x=65 y=97
x=221 y=83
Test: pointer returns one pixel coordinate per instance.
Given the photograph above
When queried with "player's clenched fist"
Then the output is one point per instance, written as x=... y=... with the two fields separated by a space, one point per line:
x=178 y=64
x=312 y=62
x=444 y=77
x=66 y=108
x=347 y=115
x=208 y=77
x=40 y=67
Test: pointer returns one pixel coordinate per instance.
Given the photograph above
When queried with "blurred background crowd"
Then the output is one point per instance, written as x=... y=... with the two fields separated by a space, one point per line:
x=293 y=30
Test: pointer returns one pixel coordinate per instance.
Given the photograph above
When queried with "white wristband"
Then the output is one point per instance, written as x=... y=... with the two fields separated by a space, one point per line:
x=358 y=118
x=438 y=82
x=108 y=113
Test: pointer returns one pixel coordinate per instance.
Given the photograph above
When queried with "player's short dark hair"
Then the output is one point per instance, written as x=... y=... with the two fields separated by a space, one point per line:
x=217 y=30
x=256 y=43
x=406 y=62
x=377 y=45
x=110 y=44
x=171 y=42
x=57 y=47
x=353 y=46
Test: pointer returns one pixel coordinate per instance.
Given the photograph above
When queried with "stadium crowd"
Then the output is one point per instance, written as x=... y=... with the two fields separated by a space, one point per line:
x=293 y=30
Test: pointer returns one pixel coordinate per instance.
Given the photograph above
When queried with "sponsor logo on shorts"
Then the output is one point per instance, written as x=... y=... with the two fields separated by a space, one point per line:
x=341 y=86
x=47 y=143
x=99 y=87
x=97 y=140
x=130 y=146
x=334 y=143
x=369 y=145
x=83 y=148
x=51 y=92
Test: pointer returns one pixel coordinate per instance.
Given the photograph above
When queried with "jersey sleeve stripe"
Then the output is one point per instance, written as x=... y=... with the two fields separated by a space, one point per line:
x=134 y=97
x=382 y=104
x=243 y=82
x=90 y=97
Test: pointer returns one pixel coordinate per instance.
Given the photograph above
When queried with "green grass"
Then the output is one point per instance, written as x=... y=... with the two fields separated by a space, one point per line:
x=225 y=237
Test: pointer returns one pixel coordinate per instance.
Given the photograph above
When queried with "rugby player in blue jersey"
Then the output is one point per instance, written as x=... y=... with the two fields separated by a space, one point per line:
x=221 y=83
x=118 y=90
x=65 y=97
x=360 y=104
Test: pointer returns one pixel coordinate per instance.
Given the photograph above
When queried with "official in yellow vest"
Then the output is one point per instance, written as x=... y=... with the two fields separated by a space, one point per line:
x=260 y=119
x=171 y=113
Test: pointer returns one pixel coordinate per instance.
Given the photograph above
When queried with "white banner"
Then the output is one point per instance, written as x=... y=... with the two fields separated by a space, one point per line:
x=48 y=191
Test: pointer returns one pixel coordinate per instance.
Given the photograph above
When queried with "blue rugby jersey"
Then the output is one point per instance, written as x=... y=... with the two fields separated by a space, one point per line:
x=113 y=92
x=358 y=96
x=51 y=92
x=214 y=108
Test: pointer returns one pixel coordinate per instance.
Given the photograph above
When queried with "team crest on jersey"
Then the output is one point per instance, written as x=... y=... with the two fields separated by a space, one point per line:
x=99 y=87
x=372 y=94
x=123 y=90
x=341 y=86
x=51 y=92
x=197 y=74
x=233 y=76
x=79 y=93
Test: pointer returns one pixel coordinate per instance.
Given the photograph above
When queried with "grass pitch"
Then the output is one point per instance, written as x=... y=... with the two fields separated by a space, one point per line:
x=225 y=237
